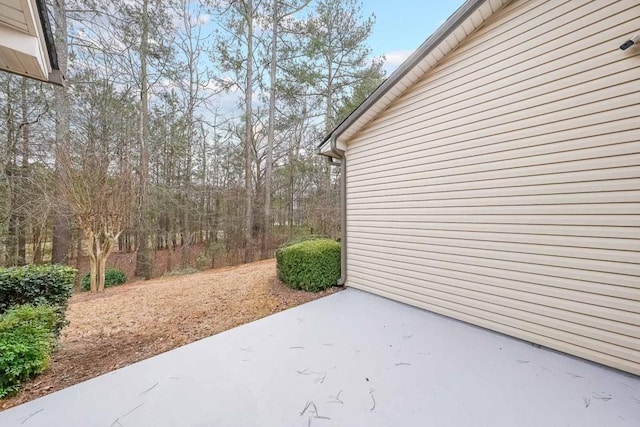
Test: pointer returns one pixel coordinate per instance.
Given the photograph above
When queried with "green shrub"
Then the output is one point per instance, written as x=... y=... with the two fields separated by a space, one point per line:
x=27 y=339
x=301 y=239
x=202 y=262
x=311 y=265
x=33 y=301
x=112 y=277
x=36 y=285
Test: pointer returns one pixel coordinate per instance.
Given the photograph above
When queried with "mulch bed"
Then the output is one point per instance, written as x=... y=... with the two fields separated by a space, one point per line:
x=135 y=321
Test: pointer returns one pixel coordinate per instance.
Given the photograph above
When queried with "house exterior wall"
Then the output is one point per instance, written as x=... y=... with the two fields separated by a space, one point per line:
x=503 y=188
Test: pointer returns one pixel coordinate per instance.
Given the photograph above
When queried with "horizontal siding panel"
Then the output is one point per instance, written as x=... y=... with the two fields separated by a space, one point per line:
x=512 y=263
x=506 y=200
x=570 y=308
x=538 y=116
x=438 y=193
x=510 y=158
x=503 y=187
x=450 y=100
x=599 y=124
x=613 y=234
x=524 y=147
x=486 y=55
x=515 y=19
x=439 y=184
x=527 y=27
x=552 y=327
x=573 y=209
x=10 y=59
x=502 y=67
x=574 y=90
x=622 y=155
x=441 y=104
x=482 y=235
x=502 y=324
x=14 y=17
x=583 y=220
x=534 y=254
x=598 y=294
x=584 y=316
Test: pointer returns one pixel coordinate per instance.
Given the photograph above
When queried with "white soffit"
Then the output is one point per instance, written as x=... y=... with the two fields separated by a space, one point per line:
x=23 y=49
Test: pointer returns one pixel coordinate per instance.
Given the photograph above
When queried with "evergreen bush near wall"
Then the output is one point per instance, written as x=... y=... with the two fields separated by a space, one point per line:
x=301 y=239
x=36 y=285
x=112 y=277
x=27 y=339
x=310 y=265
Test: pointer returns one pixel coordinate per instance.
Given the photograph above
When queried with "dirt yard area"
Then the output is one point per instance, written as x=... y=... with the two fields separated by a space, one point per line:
x=132 y=322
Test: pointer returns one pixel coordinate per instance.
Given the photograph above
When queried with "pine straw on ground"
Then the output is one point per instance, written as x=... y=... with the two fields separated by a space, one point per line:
x=132 y=322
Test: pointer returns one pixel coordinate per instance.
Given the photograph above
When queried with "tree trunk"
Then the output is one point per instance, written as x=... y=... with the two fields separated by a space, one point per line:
x=10 y=171
x=99 y=251
x=329 y=101
x=292 y=166
x=248 y=235
x=102 y=268
x=266 y=229
x=21 y=216
x=61 y=230
x=216 y=217
x=186 y=220
x=78 y=260
x=12 y=240
x=93 y=262
x=37 y=244
x=143 y=257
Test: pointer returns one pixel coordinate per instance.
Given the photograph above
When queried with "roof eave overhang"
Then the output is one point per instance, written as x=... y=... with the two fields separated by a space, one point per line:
x=55 y=75
x=472 y=13
x=36 y=47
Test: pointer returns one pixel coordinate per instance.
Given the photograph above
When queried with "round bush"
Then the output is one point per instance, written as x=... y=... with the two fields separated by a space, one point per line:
x=27 y=339
x=303 y=239
x=35 y=285
x=312 y=265
x=112 y=277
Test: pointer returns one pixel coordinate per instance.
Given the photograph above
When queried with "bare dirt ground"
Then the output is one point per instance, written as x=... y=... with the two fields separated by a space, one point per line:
x=132 y=322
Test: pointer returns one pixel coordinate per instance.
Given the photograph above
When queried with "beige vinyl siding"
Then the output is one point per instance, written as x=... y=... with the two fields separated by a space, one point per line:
x=503 y=187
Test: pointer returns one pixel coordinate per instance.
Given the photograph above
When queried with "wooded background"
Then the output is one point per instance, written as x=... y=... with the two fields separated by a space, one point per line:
x=183 y=125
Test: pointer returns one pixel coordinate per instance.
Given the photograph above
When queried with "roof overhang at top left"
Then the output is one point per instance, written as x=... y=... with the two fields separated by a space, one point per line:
x=26 y=41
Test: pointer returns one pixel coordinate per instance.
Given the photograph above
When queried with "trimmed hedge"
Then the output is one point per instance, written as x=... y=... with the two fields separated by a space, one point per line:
x=112 y=277
x=310 y=265
x=33 y=301
x=27 y=339
x=36 y=285
x=301 y=239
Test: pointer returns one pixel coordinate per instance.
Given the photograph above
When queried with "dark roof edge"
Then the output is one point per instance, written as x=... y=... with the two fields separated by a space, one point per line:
x=453 y=22
x=48 y=35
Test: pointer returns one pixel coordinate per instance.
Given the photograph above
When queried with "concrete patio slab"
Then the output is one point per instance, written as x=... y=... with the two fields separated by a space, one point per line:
x=350 y=359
